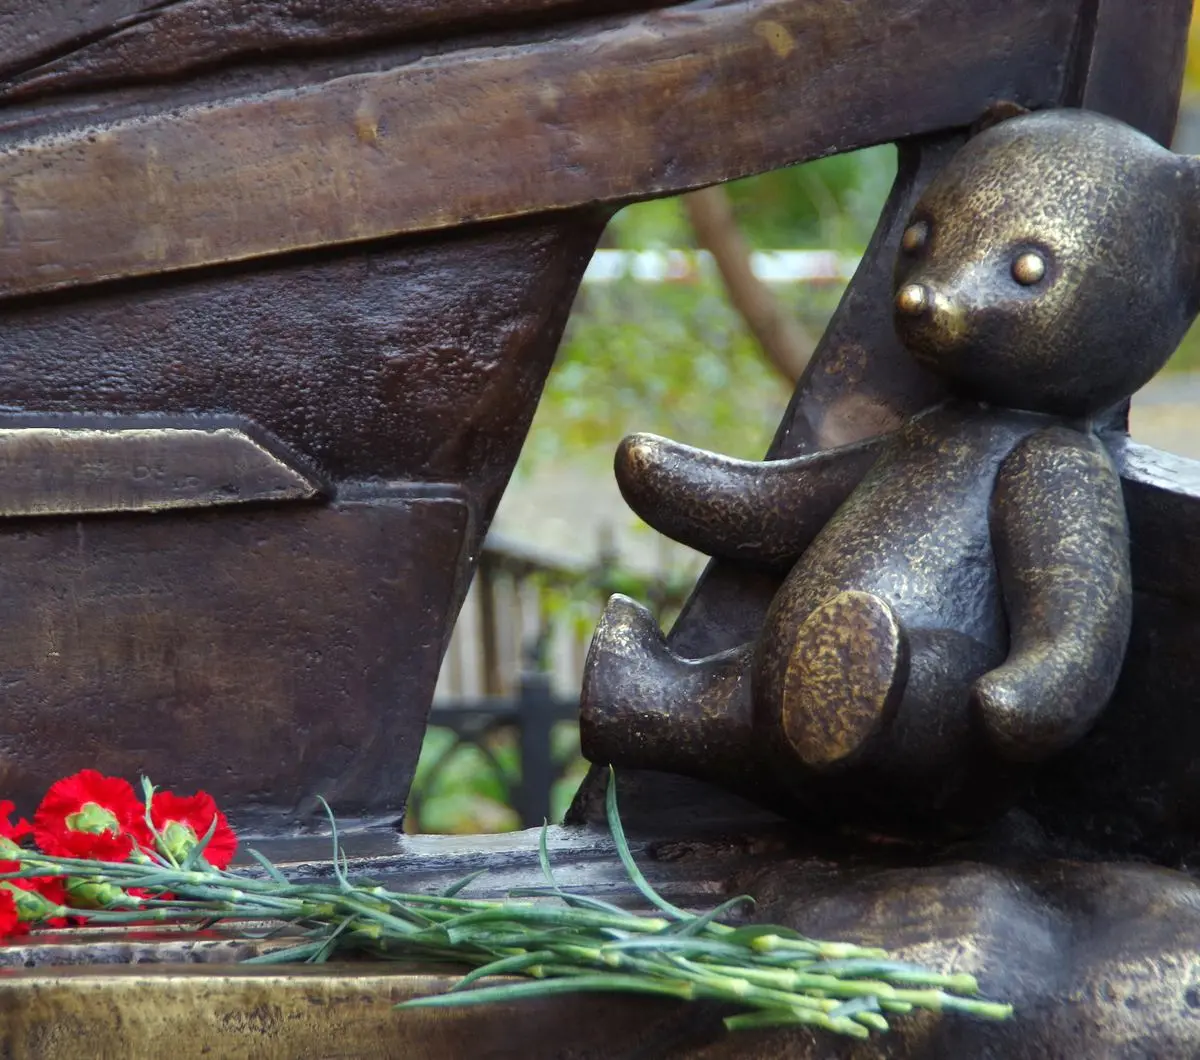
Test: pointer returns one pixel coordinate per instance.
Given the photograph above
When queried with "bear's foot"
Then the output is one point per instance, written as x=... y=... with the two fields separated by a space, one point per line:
x=845 y=677
x=644 y=707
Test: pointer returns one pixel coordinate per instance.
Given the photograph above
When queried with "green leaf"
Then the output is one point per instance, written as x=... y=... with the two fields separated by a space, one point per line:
x=622 y=845
x=329 y=943
x=267 y=866
x=292 y=955
x=196 y=855
x=465 y=882
x=697 y=925
x=339 y=870
x=544 y=855
x=598 y=983
x=578 y=901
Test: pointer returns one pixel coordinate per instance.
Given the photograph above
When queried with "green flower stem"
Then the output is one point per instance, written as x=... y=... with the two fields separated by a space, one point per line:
x=547 y=916
x=103 y=917
x=770 y=943
x=607 y=982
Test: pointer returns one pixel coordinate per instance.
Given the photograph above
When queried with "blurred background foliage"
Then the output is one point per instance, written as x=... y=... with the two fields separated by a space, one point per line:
x=466 y=788
x=676 y=357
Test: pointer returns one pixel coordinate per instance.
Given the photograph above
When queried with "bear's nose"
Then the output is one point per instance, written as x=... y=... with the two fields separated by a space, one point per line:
x=914 y=300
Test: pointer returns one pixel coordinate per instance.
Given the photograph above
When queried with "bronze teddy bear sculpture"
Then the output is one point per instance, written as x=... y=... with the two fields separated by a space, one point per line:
x=958 y=596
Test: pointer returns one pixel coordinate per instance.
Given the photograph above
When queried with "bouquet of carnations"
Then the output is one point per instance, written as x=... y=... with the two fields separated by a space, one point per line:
x=96 y=854
x=88 y=820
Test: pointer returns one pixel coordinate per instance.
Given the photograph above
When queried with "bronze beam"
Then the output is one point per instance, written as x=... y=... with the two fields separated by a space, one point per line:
x=64 y=46
x=671 y=100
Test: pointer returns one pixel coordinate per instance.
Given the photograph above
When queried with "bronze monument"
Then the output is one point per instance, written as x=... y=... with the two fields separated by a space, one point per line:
x=279 y=288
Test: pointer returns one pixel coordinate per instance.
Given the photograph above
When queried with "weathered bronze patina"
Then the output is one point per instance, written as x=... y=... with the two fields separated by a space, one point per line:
x=83 y=465
x=350 y=234
x=959 y=596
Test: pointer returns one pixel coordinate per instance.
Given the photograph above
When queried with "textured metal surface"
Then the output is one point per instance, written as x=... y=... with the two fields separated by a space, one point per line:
x=1109 y=214
x=61 y=45
x=412 y=361
x=859 y=385
x=698 y=720
x=1126 y=60
x=842 y=679
x=272 y=652
x=1099 y=961
x=566 y=121
x=764 y=513
x=421 y=363
x=977 y=577
x=267 y=656
x=53 y=466
x=1062 y=548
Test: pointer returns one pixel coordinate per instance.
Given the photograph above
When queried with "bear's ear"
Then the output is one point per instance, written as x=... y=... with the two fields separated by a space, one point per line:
x=997 y=112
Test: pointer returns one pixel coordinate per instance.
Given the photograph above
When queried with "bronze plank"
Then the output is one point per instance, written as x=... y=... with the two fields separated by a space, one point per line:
x=82 y=44
x=314 y=1011
x=267 y=654
x=669 y=100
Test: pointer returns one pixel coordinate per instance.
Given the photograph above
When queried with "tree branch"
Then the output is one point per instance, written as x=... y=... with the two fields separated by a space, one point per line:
x=784 y=341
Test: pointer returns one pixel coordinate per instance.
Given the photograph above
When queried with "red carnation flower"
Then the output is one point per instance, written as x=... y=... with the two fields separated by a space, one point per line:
x=183 y=820
x=146 y=894
x=49 y=887
x=11 y=834
x=53 y=889
x=14 y=831
x=10 y=920
x=89 y=815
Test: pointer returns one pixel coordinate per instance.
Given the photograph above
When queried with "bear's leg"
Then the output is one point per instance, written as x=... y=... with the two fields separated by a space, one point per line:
x=933 y=755
x=843 y=680
x=644 y=707
x=880 y=714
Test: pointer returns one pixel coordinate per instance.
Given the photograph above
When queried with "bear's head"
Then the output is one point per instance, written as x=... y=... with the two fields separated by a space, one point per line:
x=1053 y=265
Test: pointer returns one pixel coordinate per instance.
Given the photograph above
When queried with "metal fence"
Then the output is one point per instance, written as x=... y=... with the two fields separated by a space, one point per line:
x=502 y=747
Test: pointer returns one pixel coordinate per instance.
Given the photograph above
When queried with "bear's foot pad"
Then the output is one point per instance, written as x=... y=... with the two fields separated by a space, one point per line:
x=844 y=679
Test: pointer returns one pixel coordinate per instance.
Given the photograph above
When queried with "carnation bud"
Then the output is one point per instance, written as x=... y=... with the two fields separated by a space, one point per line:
x=178 y=840
x=94 y=819
x=95 y=894
x=32 y=906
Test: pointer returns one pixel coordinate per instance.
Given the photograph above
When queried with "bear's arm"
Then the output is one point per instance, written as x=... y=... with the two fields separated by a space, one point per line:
x=1062 y=551
x=764 y=512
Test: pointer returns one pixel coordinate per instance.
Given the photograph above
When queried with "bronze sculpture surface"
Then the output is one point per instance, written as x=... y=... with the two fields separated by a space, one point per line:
x=176 y=288
x=216 y=219
x=958 y=600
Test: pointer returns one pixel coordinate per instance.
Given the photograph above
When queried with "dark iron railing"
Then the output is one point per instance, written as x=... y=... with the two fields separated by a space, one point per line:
x=509 y=691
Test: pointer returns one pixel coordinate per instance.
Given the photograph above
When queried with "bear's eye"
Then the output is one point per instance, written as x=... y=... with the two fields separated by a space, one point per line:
x=1028 y=268
x=916 y=235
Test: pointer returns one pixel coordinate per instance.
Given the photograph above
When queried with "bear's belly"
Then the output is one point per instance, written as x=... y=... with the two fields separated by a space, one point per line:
x=915 y=531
